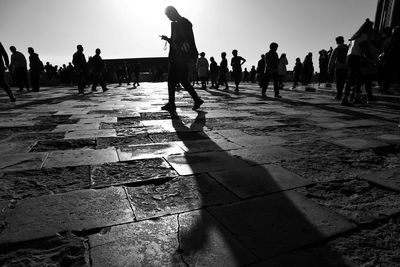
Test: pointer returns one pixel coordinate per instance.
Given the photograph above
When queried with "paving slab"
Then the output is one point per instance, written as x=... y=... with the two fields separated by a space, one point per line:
x=259 y=180
x=177 y=195
x=76 y=127
x=387 y=178
x=257 y=141
x=358 y=143
x=205 y=242
x=45 y=216
x=137 y=171
x=22 y=161
x=389 y=138
x=206 y=145
x=278 y=223
x=85 y=134
x=193 y=163
x=80 y=157
x=262 y=123
x=265 y=154
x=16 y=147
x=333 y=125
x=51 y=145
x=32 y=183
x=147 y=151
x=146 y=243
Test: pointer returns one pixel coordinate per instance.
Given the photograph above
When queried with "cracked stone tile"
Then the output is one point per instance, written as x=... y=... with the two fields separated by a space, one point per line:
x=262 y=123
x=182 y=136
x=193 y=163
x=16 y=147
x=145 y=243
x=204 y=242
x=134 y=152
x=257 y=141
x=259 y=180
x=278 y=223
x=45 y=216
x=32 y=183
x=55 y=251
x=180 y=194
x=44 y=146
x=265 y=154
x=80 y=157
x=22 y=161
x=36 y=136
x=84 y=134
x=138 y=139
x=136 y=171
x=357 y=143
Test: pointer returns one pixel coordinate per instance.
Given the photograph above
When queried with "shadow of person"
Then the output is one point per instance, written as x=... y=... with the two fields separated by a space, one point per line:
x=248 y=211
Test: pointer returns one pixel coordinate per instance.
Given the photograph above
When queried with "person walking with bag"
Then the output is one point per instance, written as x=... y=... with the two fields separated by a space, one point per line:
x=182 y=51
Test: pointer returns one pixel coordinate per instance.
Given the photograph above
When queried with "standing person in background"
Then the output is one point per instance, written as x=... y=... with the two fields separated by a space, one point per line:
x=261 y=69
x=253 y=74
x=36 y=68
x=246 y=78
x=98 y=71
x=308 y=69
x=282 y=69
x=18 y=66
x=81 y=68
x=236 y=63
x=214 y=73
x=297 y=70
x=338 y=66
x=271 y=70
x=202 y=69
x=137 y=74
x=182 y=51
x=223 y=70
x=4 y=62
x=323 y=66
x=356 y=57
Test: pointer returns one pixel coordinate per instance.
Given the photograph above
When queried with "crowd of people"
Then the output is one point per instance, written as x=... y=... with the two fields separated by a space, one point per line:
x=368 y=57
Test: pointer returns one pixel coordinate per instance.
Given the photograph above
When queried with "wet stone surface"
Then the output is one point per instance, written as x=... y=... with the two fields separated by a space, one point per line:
x=182 y=136
x=130 y=172
x=104 y=142
x=44 y=146
x=27 y=184
x=357 y=200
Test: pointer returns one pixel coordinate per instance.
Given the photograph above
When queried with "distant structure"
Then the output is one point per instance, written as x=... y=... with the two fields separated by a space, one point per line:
x=387 y=14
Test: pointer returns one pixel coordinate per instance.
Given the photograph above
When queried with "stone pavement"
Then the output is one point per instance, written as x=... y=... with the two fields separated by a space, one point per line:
x=107 y=179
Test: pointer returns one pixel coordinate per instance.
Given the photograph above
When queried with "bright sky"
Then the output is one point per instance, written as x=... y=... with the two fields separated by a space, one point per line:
x=131 y=28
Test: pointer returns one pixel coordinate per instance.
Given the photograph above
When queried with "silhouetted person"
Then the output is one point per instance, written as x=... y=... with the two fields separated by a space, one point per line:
x=18 y=66
x=282 y=69
x=137 y=74
x=49 y=70
x=261 y=69
x=356 y=57
x=81 y=68
x=236 y=63
x=36 y=68
x=223 y=70
x=297 y=71
x=98 y=71
x=182 y=51
x=214 y=73
x=271 y=70
x=202 y=69
x=4 y=63
x=308 y=69
x=253 y=74
x=323 y=66
x=338 y=65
